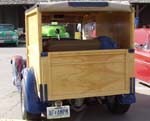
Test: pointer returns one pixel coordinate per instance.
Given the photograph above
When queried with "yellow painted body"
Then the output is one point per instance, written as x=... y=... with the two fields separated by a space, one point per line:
x=89 y=73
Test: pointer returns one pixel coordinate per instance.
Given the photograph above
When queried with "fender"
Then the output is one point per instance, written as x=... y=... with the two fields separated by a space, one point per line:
x=126 y=99
x=32 y=101
x=18 y=64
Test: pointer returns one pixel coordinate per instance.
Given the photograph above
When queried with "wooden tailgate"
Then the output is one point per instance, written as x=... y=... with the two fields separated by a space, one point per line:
x=87 y=73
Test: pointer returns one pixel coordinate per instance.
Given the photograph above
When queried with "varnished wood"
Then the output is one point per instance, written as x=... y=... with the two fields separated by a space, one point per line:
x=118 y=26
x=33 y=45
x=93 y=73
x=79 y=74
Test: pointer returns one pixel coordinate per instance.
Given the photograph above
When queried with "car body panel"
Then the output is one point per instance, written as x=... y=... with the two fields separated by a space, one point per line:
x=50 y=31
x=8 y=34
x=142 y=55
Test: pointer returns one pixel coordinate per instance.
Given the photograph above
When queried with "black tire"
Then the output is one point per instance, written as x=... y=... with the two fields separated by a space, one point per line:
x=115 y=107
x=26 y=115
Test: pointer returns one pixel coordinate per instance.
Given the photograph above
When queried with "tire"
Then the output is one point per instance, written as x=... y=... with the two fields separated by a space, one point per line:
x=26 y=115
x=115 y=107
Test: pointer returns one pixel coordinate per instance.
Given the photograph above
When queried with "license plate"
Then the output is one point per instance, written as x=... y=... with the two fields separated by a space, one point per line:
x=58 y=112
x=1 y=41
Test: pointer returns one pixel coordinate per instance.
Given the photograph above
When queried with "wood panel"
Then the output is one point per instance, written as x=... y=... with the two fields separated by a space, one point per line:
x=129 y=68
x=87 y=73
x=132 y=26
x=117 y=25
x=33 y=43
x=74 y=58
x=87 y=76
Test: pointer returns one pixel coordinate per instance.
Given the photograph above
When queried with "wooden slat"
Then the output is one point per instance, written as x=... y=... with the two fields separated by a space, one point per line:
x=33 y=43
x=87 y=57
x=132 y=26
x=89 y=94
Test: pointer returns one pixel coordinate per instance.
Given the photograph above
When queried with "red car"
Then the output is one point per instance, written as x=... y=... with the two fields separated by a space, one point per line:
x=142 y=55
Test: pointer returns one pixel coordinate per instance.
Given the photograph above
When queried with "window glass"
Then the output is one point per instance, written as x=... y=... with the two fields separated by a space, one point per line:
x=6 y=27
x=90 y=30
x=62 y=30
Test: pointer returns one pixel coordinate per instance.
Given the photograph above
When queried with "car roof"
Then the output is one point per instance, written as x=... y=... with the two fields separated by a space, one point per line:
x=74 y=6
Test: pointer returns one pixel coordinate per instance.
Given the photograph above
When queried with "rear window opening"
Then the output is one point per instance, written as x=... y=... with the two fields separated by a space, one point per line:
x=85 y=31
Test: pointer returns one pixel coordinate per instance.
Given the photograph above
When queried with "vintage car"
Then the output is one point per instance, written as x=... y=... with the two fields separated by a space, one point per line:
x=96 y=60
x=8 y=35
x=142 y=55
x=50 y=31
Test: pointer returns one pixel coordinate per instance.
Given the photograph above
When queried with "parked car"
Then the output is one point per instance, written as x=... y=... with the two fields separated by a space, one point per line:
x=142 y=55
x=50 y=31
x=8 y=35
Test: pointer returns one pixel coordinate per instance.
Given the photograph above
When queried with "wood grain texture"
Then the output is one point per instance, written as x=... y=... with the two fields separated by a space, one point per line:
x=117 y=25
x=33 y=45
x=132 y=27
x=79 y=74
x=87 y=73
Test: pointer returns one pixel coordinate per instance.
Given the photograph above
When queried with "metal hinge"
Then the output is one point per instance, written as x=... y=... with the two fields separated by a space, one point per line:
x=132 y=85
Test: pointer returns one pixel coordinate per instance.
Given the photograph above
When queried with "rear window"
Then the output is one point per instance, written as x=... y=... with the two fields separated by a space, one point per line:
x=6 y=27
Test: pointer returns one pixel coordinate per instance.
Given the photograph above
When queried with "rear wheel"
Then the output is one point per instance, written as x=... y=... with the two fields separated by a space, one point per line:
x=26 y=115
x=115 y=107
